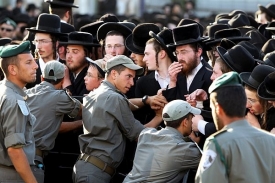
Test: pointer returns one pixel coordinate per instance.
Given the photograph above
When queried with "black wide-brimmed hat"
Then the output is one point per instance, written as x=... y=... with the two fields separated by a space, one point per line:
x=187 y=21
x=227 y=44
x=136 y=41
x=232 y=34
x=80 y=38
x=239 y=20
x=186 y=34
x=62 y=3
x=271 y=27
x=125 y=28
x=48 y=23
x=237 y=58
x=164 y=38
x=4 y=41
x=252 y=49
x=267 y=88
x=92 y=29
x=269 y=9
x=65 y=28
x=269 y=59
x=257 y=38
x=257 y=76
x=269 y=46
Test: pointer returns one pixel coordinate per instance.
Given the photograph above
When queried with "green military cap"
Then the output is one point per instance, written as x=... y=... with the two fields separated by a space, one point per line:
x=9 y=22
x=226 y=80
x=13 y=50
x=125 y=61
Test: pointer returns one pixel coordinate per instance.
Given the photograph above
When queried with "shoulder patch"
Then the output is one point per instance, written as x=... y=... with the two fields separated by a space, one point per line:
x=219 y=132
x=208 y=158
x=23 y=107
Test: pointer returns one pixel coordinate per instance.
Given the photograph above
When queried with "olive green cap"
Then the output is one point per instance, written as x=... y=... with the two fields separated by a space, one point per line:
x=226 y=80
x=13 y=50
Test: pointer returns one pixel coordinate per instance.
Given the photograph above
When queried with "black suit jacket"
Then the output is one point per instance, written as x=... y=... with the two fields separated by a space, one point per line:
x=201 y=81
x=146 y=85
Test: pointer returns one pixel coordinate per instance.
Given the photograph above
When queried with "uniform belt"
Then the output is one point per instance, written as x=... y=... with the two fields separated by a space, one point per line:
x=98 y=163
x=39 y=152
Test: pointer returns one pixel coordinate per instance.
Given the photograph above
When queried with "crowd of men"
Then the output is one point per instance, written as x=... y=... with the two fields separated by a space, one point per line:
x=120 y=102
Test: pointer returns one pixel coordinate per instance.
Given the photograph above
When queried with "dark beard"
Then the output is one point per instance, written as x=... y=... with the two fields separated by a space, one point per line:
x=190 y=66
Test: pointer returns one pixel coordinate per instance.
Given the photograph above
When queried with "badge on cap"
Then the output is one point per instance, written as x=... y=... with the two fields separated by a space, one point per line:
x=208 y=158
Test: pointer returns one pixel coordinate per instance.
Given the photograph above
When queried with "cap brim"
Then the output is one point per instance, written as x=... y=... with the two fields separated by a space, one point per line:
x=100 y=70
x=78 y=43
x=237 y=39
x=262 y=93
x=138 y=69
x=195 y=111
x=190 y=41
x=48 y=32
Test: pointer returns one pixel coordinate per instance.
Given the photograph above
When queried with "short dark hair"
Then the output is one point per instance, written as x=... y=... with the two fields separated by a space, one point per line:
x=118 y=68
x=5 y=62
x=98 y=73
x=53 y=82
x=224 y=67
x=232 y=99
x=175 y=123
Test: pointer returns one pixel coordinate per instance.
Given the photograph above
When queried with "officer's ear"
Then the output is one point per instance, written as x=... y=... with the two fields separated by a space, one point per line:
x=114 y=74
x=218 y=109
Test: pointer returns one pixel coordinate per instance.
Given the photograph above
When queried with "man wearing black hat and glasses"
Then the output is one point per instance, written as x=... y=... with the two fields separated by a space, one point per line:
x=62 y=8
x=47 y=31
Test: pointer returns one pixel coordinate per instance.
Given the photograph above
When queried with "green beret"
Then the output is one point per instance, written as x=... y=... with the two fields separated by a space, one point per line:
x=13 y=50
x=9 y=22
x=225 y=80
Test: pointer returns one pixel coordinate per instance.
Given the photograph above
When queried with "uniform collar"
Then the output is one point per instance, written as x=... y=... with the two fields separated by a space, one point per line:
x=47 y=84
x=14 y=87
x=237 y=123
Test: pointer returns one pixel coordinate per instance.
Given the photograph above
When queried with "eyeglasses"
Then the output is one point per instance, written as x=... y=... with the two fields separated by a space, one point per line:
x=6 y=29
x=181 y=52
x=116 y=46
x=251 y=101
x=41 y=41
x=88 y=74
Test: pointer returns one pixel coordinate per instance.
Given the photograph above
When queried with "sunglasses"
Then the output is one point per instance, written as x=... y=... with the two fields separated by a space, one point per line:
x=6 y=29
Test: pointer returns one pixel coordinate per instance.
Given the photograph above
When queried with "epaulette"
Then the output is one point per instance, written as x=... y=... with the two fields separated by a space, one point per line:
x=218 y=133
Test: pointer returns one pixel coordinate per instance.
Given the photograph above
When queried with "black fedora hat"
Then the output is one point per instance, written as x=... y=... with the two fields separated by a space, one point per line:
x=252 y=49
x=92 y=29
x=232 y=34
x=257 y=76
x=257 y=38
x=239 y=20
x=267 y=88
x=271 y=27
x=48 y=23
x=67 y=28
x=236 y=12
x=269 y=46
x=186 y=21
x=269 y=59
x=4 y=41
x=265 y=32
x=164 y=38
x=269 y=9
x=125 y=28
x=186 y=34
x=80 y=38
x=237 y=58
x=136 y=41
x=62 y=3
x=227 y=44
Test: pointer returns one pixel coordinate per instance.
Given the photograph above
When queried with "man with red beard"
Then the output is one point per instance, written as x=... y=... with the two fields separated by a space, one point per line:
x=189 y=73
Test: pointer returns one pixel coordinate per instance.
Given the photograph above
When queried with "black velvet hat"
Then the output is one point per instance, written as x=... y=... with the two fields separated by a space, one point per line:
x=136 y=41
x=237 y=58
x=267 y=89
x=164 y=38
x=269 y=46
x=92 y=29
x=80 y=38
x=257 y=38
x=257 y=76
x=62 y=3
x=125 y=28
x=252 y=49
x=227 y=44
x=232 y=34
x=4 y=41
x=239 y=20
x=65 y=28
x=186 y=34
x=269 y=59
x=269 y=9
x=48 y=23
x=271 y=27
x=187 y=21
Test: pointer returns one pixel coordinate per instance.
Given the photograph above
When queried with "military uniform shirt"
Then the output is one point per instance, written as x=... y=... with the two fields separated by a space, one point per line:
x=107 y=120
x=163 y=156
x=16 y=123
x=248 y=152
x=49 y=105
